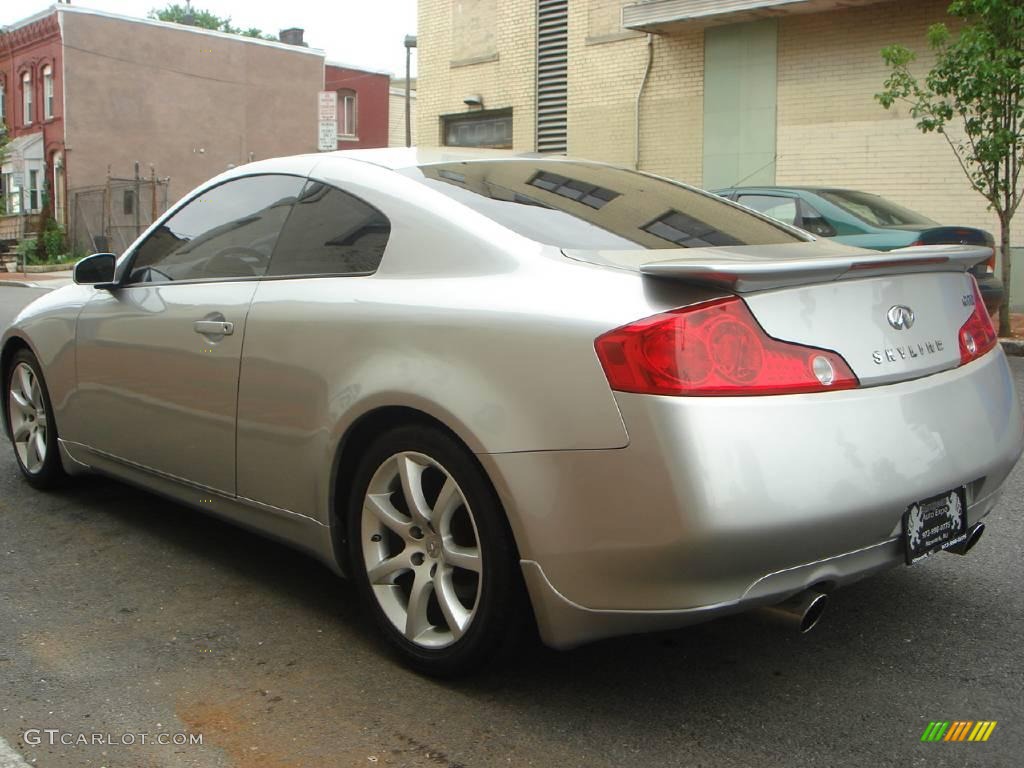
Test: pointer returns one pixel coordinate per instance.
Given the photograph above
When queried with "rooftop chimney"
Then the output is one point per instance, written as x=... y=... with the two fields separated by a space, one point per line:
x=293 y=36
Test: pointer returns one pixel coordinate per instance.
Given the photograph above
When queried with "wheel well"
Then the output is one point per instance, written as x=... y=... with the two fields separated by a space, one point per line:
x=352 y=447
x=11 y=348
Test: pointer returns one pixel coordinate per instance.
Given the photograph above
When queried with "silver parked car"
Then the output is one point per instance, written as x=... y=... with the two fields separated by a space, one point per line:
x=493 y=388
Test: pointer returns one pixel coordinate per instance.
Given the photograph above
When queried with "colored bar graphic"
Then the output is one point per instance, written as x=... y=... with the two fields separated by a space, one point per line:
x=958 y=730
x=935 y=730
x=963 y=730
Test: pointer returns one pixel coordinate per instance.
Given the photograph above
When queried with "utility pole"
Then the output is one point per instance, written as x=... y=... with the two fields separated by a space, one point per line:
x=138 y=190
x=410 y=43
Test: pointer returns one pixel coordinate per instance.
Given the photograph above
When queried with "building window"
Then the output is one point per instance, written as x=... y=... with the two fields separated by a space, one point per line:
x=12 y=194
x=688 y=231
x=3 y=106
x=581 y=191
x=347 y=114
x=33 y=192
x=47 y=92
x=26 y=95
x=479 y=130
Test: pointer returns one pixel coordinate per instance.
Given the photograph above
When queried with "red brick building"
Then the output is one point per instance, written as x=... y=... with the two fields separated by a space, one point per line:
x=32 y=110
x=362 y=105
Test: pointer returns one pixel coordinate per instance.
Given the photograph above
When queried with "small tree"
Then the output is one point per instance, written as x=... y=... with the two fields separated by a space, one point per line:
x=977 y=83
x=203 y=19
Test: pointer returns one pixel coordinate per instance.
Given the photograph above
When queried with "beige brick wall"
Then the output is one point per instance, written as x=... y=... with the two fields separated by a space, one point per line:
x=832 y=131
x=396 y=118
x=505 y=79
x=604 y=77
x=830 y=128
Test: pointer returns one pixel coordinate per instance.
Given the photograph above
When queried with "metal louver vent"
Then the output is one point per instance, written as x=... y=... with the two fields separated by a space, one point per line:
x=552 y=74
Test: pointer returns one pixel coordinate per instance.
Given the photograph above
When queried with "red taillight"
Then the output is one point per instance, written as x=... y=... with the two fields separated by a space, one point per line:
x=715 y=348
x=990 y=265
x=977 y=336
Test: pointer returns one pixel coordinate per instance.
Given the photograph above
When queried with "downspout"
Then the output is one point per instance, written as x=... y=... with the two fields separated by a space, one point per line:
x=639 y=94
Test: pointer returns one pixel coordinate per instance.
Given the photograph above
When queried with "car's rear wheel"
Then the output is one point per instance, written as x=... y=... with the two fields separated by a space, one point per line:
x=432 y=553
x=30 y=422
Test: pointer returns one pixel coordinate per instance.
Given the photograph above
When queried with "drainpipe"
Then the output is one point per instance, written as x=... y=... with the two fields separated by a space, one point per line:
x=640 y=93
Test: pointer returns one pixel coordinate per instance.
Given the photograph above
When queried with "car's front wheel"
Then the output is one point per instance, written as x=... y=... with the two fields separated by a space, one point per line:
x=432 y=552
x=30 y=422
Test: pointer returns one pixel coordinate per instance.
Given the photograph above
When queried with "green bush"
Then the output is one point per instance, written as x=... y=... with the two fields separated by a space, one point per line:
x=54 y=241
x=26 y=251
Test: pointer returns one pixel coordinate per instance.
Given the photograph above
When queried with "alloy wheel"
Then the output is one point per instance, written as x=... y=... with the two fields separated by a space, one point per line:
x=421 y=550
x=26 y=409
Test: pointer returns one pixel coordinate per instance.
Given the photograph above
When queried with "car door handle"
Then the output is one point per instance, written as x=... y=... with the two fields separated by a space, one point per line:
x=214 y=327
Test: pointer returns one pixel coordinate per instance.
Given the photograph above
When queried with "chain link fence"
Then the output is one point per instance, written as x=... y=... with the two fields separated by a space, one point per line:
x=106 y=219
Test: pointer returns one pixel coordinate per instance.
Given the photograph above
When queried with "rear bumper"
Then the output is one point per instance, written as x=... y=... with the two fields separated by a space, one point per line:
x=721 y=504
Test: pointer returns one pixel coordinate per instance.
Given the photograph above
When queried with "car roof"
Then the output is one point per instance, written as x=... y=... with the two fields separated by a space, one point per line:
x=390 y=158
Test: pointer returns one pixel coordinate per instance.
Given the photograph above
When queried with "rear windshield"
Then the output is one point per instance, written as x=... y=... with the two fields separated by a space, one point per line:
x=875 y=210
x=587 y=206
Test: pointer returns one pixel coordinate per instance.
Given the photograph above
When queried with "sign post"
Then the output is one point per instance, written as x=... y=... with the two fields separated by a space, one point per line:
x=328 y=115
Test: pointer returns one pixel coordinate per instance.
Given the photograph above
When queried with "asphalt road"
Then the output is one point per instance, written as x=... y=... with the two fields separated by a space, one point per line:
x=121 y=613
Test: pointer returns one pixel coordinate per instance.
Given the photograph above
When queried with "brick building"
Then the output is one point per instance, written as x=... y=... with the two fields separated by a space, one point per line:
x=87 y=94
x=32 y=111
x=363 y=101
x=713 y=92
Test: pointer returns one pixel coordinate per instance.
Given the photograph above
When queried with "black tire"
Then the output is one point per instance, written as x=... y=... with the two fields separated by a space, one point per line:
x=50 y=474
x=500 y=610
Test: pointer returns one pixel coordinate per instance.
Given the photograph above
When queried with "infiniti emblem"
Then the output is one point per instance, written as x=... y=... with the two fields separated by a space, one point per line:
x=900 y=317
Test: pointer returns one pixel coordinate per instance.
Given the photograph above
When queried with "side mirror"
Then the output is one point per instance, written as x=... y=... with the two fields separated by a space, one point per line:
x=97 y=270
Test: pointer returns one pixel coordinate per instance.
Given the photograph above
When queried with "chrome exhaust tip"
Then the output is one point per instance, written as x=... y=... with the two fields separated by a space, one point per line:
x=800 y=612
x=973 y=537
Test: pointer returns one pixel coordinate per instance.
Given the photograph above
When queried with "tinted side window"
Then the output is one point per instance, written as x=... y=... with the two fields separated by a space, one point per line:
x=330 y=232
x=227 y=232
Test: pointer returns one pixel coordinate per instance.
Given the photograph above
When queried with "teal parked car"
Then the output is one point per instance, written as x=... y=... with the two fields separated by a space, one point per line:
x=867 y=221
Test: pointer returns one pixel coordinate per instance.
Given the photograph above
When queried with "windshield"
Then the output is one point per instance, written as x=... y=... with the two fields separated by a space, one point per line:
x=875 y=210
x=587 y=206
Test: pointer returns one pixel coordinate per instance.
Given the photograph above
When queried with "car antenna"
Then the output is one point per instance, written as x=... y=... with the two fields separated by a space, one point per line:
x=756 y=171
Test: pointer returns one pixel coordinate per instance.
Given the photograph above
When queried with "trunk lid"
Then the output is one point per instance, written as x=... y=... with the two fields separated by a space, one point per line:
x=892 y=316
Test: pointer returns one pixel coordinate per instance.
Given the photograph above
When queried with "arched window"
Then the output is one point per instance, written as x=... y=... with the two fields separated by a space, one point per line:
x=347 y=114
x=26 y=98
x=47 y=92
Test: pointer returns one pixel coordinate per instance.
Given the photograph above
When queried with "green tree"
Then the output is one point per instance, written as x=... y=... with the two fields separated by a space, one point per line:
x=975 y=88
x=205 y=20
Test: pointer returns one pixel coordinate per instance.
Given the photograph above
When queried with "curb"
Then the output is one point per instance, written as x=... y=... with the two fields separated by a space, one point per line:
x=19 y=284
x=1013 y=347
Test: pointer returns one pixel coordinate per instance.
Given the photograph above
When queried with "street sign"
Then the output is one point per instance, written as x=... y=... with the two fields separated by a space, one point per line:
x=328 y=136
x=328 y=105
x=328 y=115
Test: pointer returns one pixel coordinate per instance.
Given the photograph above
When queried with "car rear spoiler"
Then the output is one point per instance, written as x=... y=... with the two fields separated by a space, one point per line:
x=746 y=272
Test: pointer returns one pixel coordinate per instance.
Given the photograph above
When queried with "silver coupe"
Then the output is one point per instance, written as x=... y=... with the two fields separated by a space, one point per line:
x=506 y=391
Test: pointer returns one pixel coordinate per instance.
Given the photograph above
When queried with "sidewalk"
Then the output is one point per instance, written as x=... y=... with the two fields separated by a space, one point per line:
x=48 y=280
